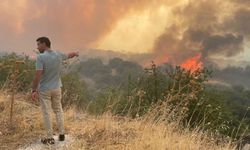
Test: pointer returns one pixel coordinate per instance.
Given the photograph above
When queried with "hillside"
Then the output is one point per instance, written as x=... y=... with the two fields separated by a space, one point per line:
x=98 y=132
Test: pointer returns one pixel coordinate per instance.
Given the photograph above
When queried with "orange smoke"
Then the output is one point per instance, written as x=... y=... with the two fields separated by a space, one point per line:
x=193 y=63
x=75 y=24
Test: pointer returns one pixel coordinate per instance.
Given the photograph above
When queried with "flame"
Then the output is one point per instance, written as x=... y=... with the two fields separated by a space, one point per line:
x=193 y=63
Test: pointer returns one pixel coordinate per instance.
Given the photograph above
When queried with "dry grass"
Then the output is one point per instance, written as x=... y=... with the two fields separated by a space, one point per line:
x=100 y=132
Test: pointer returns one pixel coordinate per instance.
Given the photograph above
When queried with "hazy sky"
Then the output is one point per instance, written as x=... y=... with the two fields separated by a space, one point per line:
x=171 y=30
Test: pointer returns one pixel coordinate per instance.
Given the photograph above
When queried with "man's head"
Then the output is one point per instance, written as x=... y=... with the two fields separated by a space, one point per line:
x=43 y=43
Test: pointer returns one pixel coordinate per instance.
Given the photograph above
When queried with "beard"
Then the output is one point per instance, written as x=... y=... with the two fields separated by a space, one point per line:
x=41 y=51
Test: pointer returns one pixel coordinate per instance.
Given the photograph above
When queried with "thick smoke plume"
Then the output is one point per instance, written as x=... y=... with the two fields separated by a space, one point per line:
x=210 y=28
x=70 y=24
x=196 y=31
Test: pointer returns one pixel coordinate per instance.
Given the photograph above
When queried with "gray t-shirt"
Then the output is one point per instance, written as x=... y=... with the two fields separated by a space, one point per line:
x=51 y=64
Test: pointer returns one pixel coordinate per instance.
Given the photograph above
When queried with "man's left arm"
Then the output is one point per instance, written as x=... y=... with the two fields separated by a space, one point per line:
x=36 y=80
x=37 y=77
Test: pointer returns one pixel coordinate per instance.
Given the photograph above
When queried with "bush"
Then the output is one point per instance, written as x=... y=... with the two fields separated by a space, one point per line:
x=25 y=71
x=74 y=91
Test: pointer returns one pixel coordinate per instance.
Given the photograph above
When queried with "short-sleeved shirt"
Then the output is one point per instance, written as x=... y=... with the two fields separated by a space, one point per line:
x=51 y=63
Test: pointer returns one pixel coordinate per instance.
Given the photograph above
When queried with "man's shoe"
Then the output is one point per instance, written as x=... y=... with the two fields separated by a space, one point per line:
x=61 y=137
x=48 y=141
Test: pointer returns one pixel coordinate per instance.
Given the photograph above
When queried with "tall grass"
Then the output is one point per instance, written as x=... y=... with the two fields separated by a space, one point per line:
x=105 y=131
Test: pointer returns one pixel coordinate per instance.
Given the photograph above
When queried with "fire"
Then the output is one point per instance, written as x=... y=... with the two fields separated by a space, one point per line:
x=193 y=63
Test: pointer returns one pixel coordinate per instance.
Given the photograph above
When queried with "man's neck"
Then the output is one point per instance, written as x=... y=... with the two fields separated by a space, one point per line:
x=48 y=50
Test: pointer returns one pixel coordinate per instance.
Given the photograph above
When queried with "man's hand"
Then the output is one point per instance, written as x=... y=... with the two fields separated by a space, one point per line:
x=73 y=54
x=34 y=95
x=77 y=54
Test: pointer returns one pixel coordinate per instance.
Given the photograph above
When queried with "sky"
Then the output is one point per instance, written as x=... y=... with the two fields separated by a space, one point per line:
x=176 y=31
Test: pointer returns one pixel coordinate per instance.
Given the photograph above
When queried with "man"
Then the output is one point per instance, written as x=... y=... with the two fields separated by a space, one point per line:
x=47 y=86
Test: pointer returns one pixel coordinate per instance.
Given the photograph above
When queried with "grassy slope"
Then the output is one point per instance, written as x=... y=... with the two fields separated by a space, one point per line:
x=98 y=132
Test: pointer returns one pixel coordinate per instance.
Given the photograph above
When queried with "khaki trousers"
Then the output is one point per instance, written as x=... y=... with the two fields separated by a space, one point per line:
x=48 y=99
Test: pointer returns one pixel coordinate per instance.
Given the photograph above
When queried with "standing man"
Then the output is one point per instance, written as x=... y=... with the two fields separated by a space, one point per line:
x=47 y=86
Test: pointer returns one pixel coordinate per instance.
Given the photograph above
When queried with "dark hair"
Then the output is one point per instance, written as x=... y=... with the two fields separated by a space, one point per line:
x=44 y=40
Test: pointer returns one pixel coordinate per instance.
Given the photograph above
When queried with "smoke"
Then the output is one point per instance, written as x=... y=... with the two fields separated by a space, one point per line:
x=233 y=75
x=207 y=27
x=227 y=45
x=239 y=22
x=204 y=28
x=69 y=24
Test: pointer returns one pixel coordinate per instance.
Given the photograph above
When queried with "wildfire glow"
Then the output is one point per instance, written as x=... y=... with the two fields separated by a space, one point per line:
x=193 y=63
x=137 y=32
